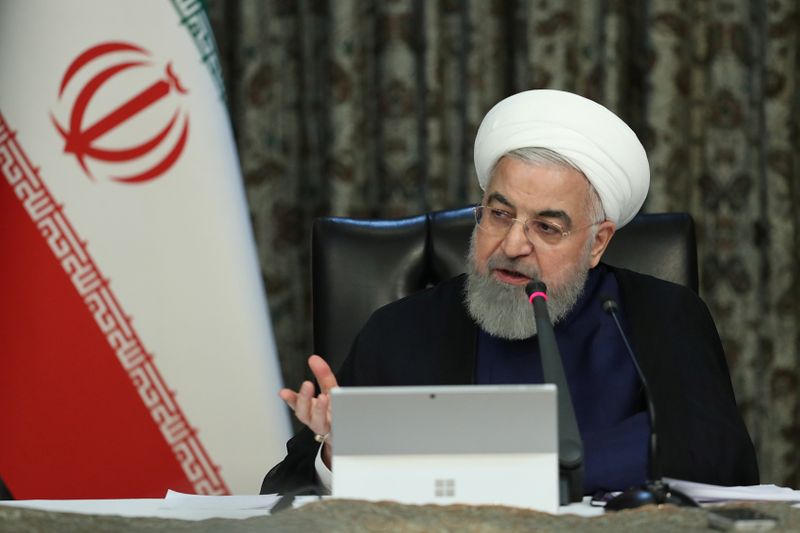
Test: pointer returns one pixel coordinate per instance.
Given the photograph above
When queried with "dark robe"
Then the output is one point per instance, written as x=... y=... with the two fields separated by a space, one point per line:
x=428 y=338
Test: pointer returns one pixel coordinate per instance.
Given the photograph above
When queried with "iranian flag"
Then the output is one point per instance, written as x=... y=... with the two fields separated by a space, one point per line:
x=136 y=352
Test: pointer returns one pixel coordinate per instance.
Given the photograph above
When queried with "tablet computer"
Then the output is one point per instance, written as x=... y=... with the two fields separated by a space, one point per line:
x=474 y=444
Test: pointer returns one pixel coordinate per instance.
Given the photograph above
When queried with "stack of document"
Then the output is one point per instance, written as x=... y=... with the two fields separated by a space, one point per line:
x=703 y=493
x=245 y=506
x=175 y=505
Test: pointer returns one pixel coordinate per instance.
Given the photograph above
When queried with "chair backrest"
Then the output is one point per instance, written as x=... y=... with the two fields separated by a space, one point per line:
x=360 y=265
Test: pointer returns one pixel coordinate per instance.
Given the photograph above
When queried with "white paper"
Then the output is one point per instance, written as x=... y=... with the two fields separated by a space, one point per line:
x=175 y=505
x=141 y=507
x=583 y=508
x=180 y=500
x=702 y=492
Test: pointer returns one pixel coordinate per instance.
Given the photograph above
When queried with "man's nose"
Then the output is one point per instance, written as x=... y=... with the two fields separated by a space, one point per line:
x=516 y=242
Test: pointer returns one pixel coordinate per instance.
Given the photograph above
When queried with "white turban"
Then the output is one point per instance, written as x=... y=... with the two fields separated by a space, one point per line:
x=598 y=142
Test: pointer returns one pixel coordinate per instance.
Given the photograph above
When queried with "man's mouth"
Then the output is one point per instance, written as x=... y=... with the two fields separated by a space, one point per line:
x=511 y=276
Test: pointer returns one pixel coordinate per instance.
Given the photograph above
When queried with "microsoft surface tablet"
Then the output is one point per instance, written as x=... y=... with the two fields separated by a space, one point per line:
x=447 y=444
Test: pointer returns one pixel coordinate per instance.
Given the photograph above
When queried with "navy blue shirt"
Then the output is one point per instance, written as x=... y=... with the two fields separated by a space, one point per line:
x=605 y=388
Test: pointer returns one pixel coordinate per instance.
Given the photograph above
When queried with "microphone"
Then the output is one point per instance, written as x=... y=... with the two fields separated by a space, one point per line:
x=570 y=445
x=654 y=490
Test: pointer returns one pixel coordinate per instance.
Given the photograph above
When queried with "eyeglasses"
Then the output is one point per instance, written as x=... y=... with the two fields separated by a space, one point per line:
x=498 y=223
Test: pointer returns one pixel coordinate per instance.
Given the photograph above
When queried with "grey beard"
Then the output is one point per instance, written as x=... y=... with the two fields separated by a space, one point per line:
x=503 y=310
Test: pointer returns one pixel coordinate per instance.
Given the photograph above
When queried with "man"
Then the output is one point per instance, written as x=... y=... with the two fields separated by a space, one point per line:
x=560 y=174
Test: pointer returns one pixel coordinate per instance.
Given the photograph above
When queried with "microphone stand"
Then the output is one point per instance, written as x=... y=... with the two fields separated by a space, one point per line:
x=654 y=490
x=570 y=445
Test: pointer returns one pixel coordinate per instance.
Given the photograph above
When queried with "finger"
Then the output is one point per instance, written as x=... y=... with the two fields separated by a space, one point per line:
x=289 y=397
x=323 y=373
x=319 y=415
x=305 y=397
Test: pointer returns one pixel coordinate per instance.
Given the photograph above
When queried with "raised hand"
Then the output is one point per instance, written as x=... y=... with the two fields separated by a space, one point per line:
x=314 y=411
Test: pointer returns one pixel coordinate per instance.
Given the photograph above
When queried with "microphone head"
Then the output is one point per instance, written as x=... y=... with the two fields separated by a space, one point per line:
x=535 y=285
x=609 y=304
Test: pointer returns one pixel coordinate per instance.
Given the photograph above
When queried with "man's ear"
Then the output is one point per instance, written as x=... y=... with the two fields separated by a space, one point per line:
x=601 y=240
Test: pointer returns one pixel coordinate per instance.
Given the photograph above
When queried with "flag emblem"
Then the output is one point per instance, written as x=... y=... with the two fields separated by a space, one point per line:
x=96 y=127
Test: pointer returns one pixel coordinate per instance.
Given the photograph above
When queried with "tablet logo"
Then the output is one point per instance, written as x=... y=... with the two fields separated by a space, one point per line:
x=102 y=83
x=444 y=488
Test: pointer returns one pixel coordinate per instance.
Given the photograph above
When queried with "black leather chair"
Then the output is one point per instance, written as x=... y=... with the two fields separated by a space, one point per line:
x=360 y=265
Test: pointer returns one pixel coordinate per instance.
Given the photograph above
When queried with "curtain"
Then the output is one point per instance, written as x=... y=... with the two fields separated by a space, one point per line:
x=369 y=108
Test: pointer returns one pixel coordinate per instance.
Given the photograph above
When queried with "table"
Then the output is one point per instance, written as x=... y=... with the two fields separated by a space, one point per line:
x=355 y=516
